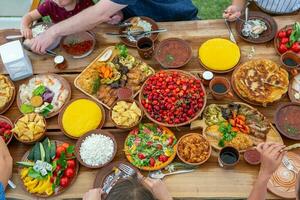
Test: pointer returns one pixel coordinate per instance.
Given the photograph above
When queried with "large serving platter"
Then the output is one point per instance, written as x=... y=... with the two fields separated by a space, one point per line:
x=77 y=85
x=271 y=136
x=60 y=190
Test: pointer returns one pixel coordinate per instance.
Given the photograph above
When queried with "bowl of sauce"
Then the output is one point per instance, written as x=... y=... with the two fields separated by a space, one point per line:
x=252 y=156
x=173 y=53
x=291 y=62
x=287 y=121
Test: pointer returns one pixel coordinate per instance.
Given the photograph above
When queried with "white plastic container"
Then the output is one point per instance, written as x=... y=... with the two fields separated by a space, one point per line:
x=15 y=60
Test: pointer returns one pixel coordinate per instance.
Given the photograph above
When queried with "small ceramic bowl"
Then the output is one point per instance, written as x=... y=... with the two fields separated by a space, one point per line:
x=190 y=163
x=252 y=156
x=97 y=132
x=122 y=126
x=31 y=141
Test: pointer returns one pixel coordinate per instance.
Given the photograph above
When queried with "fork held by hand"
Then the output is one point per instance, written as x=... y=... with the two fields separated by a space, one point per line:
x=127 y=170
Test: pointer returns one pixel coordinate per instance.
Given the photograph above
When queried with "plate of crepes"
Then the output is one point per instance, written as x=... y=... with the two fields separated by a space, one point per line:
x=44 y=94
x=114 y=68
x=283 y=181
x=294 y=89
x=136 y=25
x=150 y=147
x=259 y=28
x=237 y=124
x=260 y=82
x=7 y=93
x=48 y=168
x=219 y=55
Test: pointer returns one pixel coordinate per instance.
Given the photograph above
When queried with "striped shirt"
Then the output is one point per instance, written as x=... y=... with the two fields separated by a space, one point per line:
x=279 y=6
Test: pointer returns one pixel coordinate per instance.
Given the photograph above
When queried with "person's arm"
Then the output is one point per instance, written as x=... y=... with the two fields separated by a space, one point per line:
x=27 y=22
x=85 y=20
x=234 y=11
x=6 y=163
x=158 y=188
x=271 y=157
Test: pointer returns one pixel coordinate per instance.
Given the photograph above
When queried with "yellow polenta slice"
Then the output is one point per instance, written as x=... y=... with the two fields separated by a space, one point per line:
x=219 y=54
x=80 y=117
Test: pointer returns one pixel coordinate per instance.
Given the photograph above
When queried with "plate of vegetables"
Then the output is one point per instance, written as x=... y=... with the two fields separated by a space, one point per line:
x=44 y=94
x=48 y=169
x=288 y=39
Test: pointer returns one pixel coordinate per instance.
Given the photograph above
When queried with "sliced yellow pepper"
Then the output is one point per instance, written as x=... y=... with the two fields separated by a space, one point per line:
x=49 y=191
x=24 y=172
x=31 y=184
x=35 y=190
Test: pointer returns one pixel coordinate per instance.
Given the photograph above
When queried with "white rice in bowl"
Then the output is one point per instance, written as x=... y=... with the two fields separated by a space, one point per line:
x=96 y=150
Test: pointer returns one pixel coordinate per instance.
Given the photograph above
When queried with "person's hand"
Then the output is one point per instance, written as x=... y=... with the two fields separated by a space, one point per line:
x=158 y=188
x=6 y=163
x=26 y=32
x=271 y=157
x=93 y=194
x=232 y=13
x=40 y=43
x=116 y=18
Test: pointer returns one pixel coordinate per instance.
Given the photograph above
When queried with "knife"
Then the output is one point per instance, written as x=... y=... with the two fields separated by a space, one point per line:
x=231 y=36
x=136 y=33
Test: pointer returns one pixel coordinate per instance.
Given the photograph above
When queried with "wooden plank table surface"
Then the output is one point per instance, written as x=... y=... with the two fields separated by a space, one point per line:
x=209 y=181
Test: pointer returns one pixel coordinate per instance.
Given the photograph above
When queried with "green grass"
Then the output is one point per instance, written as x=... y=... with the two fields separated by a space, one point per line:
x=211 y=9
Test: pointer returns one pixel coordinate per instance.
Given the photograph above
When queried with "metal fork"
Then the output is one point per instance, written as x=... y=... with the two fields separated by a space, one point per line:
x=126 y=169
x=231 y=36
x=287 y=163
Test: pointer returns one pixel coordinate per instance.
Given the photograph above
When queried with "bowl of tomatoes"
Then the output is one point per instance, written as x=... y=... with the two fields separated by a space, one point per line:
x=5 y=129
x=288 y=39
x=172 y=98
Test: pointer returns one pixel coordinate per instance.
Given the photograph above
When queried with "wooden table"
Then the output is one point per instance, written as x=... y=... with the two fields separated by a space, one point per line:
x=209 y=181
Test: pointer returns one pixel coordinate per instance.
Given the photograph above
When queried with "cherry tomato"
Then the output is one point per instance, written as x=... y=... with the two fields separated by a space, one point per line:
x=296 y=47
x=66 y=145
x=141 y=156
x=71 y=164
x=282 y=34
x=284 y=40
x=69 y=172
x=289 y=32
x=57 y=169
x=282 y=48
x=59 y=150
x=152 y=162
x=159 y=146
x=64 y=182
x=163 y=158
x=170 y=140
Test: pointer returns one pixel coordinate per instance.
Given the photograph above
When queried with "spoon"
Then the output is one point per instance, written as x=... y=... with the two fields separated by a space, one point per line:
x=159 y=175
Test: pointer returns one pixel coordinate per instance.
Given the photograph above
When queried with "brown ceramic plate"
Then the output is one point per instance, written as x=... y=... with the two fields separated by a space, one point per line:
x=266 y=36
x=62 y=80
x=60 y=190
x=103 y=174
x=287 y=120
x=180 y=124
x=179 y=154
x=75 y=40
x=65 y=107
x=276 y=39
x=12 y=98
x=283 y=181
x=7 y=120
x=153 y=36
x=33 y=141
x=122 y=126
x=173 y=53
x=97 y=132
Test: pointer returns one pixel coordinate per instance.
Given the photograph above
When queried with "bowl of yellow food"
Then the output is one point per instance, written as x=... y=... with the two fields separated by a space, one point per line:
x=219 y=55
x=126 y=113
x=29 y=128
x=80 y=116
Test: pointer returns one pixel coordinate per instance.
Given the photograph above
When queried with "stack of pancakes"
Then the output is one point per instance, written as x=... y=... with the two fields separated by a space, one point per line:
x=261 y=81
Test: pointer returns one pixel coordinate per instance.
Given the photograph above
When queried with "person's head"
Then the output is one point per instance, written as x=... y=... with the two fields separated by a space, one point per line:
x=64 y=3
x=129 y=189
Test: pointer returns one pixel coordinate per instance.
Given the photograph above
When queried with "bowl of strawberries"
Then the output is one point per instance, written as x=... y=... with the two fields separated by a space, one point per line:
x=172 y=98
x=5 y=129
x=288 y=39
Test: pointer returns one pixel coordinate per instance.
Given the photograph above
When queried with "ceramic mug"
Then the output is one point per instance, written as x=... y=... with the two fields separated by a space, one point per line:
x=145 y=47
x=294 y=70
x=228 y=157
x=221 y=81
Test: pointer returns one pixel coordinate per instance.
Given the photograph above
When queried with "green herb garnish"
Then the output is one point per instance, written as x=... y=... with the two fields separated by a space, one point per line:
x=123 y=50
x=291 y=129
x=96 y=85
x=169 y=58
x=295 y=35
x=26 y=108
x=47 y=110
x=227 y=134
x=39 y=91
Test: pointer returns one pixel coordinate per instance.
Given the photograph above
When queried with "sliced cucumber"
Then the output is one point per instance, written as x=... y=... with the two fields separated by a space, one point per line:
x=42 y=150
x=37 y=152
x=52 y=150
x=25 y=164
